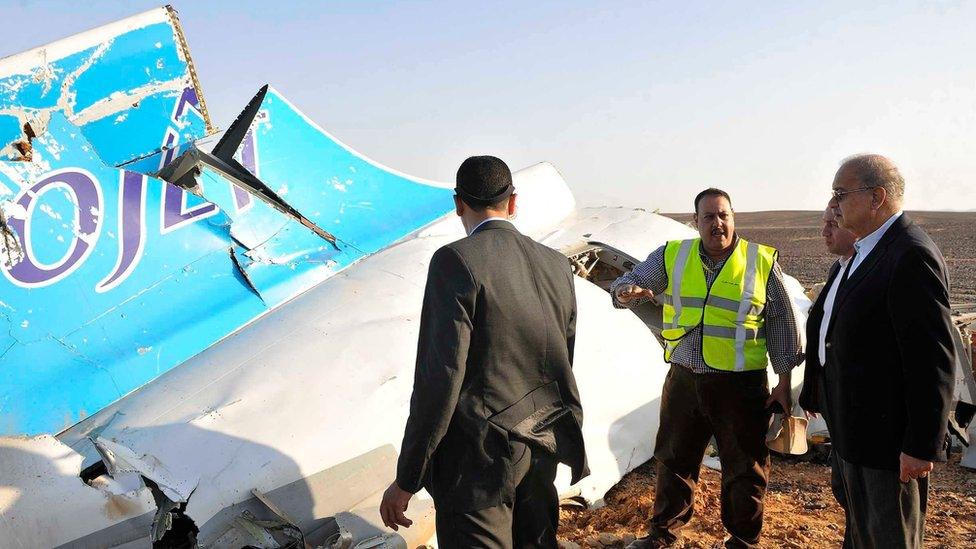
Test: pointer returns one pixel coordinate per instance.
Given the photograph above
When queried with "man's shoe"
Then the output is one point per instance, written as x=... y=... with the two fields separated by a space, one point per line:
x=649 y=542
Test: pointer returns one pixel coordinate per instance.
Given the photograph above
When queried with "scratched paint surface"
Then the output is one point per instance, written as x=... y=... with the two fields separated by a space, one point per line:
x=278 y=255
x=80 y=330
x=132 y=78
x=123 y=277
x=363 y=204
x=111 y=277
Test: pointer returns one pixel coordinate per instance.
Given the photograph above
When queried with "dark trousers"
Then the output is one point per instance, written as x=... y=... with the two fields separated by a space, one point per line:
x=530 y=521
x=880 y=511
x=732 y=408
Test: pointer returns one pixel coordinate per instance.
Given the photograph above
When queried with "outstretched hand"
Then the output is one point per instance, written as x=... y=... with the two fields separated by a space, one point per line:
x=395 y=501
x=628 y=292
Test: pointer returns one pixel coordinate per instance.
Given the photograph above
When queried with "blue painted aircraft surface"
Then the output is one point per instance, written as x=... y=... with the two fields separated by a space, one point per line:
x=112 y=276
x=213 y=343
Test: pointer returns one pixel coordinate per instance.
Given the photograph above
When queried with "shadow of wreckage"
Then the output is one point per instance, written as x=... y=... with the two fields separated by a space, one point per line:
x=323 y=509
x=66 y=136
x=123 y=481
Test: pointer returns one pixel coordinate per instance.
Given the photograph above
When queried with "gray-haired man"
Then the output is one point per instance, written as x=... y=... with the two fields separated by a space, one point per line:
x=888 y=359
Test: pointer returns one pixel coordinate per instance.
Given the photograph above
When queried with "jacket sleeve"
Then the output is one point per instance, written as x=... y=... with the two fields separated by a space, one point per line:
x=442 y=351
x=811 y=399
x=919 y=307
x=571 y=395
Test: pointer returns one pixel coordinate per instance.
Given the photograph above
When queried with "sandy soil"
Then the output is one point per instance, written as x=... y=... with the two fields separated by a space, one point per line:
x=800 y=510
x=802 y=254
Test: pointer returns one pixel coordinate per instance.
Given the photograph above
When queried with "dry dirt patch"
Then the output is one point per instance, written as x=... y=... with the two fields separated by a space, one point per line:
x=800 y=510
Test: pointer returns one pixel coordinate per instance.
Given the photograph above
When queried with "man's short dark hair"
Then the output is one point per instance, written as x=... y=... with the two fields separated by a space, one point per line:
x=711 y=191
x=484 y=182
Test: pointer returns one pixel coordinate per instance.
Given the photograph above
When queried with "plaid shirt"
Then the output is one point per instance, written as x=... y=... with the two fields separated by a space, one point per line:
x=782 y=336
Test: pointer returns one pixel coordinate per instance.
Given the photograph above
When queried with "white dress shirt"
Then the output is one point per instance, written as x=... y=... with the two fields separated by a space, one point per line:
x=476 y=227
x=828 y=309
x=866 y=244
x=862 y=247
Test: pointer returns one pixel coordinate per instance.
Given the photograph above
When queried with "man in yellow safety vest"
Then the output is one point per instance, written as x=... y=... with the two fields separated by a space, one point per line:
x=725 y=309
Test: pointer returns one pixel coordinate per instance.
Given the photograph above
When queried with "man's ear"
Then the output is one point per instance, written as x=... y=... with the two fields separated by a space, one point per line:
x=512 y=208
x=458 y=206
x=878 y=201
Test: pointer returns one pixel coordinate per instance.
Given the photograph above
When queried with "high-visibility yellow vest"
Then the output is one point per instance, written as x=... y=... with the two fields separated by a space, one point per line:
x=730 y=313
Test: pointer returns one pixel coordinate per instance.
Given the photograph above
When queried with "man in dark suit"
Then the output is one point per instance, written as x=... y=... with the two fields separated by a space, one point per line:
x=840 y=242
x=495 y=404
x=888 y=360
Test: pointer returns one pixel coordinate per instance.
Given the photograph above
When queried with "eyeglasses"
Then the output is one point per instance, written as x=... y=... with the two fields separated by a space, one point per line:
x=839 y=195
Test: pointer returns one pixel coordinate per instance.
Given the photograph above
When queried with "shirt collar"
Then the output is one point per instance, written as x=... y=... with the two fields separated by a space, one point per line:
x=866 y=244
x=478 y=226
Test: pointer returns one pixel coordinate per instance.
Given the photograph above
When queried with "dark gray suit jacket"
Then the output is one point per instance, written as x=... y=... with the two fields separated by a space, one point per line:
x=811 y=396
x=890 y=355
x=494 y=369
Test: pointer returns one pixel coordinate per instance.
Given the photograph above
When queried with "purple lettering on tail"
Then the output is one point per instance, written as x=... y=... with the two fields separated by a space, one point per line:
x=170 y=147
x=187 y=99
x=31 y=273
x=175 y=214
x=249 y=159
x=242 y=198
x=132 y=229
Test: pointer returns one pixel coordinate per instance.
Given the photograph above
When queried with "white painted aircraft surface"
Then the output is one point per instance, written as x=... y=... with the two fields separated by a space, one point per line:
x=227 y=382
x=308 y=403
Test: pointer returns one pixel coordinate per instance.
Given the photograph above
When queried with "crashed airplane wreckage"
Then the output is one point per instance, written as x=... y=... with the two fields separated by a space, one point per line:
x=213 y=343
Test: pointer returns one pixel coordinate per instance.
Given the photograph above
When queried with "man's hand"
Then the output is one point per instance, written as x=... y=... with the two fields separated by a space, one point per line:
x=914 y=467
x=628 y=292
x=394 y=503
x=783 y=394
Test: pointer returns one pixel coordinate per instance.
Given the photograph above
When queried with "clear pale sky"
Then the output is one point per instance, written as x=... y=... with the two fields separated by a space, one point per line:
x=637 y=103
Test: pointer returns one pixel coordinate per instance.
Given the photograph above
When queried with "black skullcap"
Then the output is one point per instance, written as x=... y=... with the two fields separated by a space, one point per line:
x=483 y=181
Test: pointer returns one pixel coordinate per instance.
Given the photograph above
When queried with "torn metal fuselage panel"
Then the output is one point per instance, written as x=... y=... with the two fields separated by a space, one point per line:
x=161 y=308
x=158 y=310
x=40 y=477
x=106 y=295
x=125 y=276
x=364 y=204
x=132 y=78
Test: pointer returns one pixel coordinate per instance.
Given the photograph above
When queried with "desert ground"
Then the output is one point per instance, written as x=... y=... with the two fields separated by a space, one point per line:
x=800 y=510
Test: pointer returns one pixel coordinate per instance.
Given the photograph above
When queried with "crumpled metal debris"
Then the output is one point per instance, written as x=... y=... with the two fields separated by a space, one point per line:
x=120 y=461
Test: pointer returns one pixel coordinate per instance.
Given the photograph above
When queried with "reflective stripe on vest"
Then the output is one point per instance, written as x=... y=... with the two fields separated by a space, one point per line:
x=729 y=312
x=683 y=252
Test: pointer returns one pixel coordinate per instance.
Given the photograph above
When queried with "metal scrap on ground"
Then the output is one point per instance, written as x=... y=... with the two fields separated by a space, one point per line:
x=216 y=346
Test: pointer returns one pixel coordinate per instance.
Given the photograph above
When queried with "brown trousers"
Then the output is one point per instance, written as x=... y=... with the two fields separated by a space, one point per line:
x=732 y=408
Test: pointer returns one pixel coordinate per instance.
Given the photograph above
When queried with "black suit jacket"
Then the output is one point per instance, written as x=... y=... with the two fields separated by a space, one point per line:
x=890 y=356
x=811 y=396
x=494 y=369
